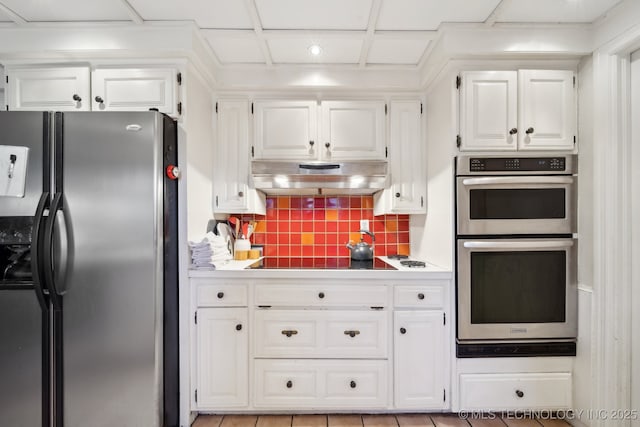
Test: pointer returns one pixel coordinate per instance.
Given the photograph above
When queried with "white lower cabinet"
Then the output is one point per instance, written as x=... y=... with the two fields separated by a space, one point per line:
x=515 y=391
x=317 y=383
x=222 y=358
x=419 y=375
x=321 y=333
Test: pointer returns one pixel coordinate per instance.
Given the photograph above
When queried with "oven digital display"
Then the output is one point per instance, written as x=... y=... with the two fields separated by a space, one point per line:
x=518 y=287
x=524 y=164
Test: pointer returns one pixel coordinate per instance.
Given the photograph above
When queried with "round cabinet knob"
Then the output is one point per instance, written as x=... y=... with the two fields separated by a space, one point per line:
x=289 y=384
x=99 y=99
x=238 y=327
x=241 y=193
x=220 y=295
x=352 y=384
x=421 y=296
x=311 y=143
x=513 y=131
x=397 y=194
x=327 y=144
x=519 y=393
x=403 y=331
x=76 y=97
x=529 y=131
x=321 y=295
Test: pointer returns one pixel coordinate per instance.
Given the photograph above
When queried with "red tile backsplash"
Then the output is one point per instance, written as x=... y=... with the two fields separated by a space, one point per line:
x=321 y=226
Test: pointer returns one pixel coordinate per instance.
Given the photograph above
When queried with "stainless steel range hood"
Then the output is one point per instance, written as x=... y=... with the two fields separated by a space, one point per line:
x=293 y=177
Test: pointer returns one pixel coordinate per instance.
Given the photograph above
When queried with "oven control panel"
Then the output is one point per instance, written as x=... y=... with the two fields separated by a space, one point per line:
x=522 y=164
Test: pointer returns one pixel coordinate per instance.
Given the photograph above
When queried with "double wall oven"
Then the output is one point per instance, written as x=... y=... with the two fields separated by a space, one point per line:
x=516 y=255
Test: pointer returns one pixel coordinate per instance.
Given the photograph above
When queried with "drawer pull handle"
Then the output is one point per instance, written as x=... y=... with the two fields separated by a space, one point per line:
x=519 y=393
x=403 y=331
x=352 y=333
x=290 y=332
x=238 y=327
x=321 y=295
x=289 y=384
x=421 y=296
x=352 y=384
x=220 y=295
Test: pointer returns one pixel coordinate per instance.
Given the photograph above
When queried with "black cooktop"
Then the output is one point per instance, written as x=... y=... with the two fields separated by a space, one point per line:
x=324 y=264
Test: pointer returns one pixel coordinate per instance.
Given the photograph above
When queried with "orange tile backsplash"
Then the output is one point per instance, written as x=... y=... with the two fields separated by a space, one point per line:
x=321 y=226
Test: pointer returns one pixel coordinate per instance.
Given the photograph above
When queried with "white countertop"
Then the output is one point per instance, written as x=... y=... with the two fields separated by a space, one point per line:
x=239 y=269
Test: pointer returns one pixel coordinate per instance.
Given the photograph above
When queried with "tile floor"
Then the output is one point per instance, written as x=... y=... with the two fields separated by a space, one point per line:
x=397 y=420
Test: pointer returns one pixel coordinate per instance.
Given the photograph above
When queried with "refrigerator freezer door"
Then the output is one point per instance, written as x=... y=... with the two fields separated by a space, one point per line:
x=20 y=359
x=112 y=324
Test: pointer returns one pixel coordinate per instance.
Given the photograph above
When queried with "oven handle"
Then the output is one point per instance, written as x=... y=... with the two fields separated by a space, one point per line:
x=519 y=245
x=518 y=180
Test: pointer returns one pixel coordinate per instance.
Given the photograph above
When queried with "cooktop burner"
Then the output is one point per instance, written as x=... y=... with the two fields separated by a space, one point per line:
x=398 y=256
x=413 y=264
x=296 y=263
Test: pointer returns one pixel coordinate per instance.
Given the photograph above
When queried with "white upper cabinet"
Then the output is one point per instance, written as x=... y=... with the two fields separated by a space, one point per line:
x=79 y=89
x=353 y=130
x=517 y=110
x=350 y=130
x=408 y=191
x=116 y=89
x=547 y=110
x=285 y=129
x=231 y=190
x=55 y=89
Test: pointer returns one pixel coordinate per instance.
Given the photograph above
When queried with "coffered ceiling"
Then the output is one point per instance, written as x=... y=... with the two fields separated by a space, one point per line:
x=361 y=33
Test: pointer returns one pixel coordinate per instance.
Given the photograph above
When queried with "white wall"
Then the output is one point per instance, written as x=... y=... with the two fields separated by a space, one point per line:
x=199 y=152
x=432 y=234
x=582 y=369
x=635 y=247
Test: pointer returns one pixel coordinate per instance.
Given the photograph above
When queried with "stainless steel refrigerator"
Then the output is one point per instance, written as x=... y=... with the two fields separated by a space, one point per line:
x=88 y=265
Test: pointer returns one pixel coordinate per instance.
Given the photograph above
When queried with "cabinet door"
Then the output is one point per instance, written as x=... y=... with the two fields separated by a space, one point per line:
x=488 y=102
x=116 y=89
x=353 y=130
x=231 y=165
x=408 y=182
x=420 y=368
x=59 y=89
x=547 y=110
x=285 y=130
x=222 y=358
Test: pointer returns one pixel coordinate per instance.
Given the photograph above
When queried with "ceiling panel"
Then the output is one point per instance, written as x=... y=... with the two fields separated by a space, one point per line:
x=68 y=10
x=236 y=48
x=295 y=50
x=397 y=51
x=429 y=14
x=554 y=10
x=314 y=14
x=223 y=14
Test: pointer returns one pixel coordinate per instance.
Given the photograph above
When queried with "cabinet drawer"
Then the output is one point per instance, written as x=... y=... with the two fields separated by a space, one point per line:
x=515 y=391
x=321 y=333
x=222 y=295
x=351 y=384
x=428 y=296
x=321 y=295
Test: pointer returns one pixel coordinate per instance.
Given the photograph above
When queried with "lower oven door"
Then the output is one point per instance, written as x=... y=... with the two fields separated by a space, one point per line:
x=510 y=204
x=516 y=289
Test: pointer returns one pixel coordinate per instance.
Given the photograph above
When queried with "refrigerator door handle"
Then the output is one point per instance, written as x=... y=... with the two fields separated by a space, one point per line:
x=37 y=267
x=55 y=291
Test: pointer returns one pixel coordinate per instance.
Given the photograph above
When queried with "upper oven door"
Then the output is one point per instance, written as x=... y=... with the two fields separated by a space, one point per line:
x=498 y=205
x=516 y=289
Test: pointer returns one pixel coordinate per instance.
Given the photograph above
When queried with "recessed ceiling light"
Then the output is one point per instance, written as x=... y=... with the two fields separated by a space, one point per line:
x=315 y=50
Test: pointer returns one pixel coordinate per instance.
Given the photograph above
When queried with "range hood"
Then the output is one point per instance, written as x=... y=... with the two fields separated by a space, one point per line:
x=302 y=178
